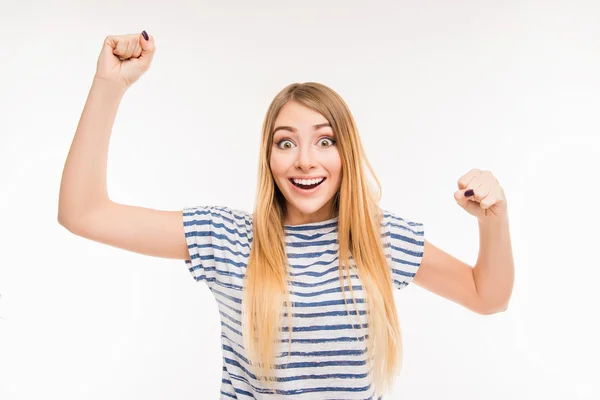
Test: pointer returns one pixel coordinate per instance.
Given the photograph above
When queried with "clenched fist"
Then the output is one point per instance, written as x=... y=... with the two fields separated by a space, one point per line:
x=125 y=58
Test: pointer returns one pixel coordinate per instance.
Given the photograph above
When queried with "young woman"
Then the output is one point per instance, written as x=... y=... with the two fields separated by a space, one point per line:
x=282 y=274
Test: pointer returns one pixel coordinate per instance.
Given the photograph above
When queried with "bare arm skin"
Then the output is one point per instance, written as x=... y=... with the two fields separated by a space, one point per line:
x=85 y=208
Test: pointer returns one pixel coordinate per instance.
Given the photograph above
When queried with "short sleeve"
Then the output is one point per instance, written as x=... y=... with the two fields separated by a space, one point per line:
x=403 y=243
x=218 y=241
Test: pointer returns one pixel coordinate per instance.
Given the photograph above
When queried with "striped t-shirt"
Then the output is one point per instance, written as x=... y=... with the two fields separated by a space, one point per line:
x=328 y=350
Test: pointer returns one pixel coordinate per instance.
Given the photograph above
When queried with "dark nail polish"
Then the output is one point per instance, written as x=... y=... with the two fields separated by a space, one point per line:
x=469 y=193
x=145 y=35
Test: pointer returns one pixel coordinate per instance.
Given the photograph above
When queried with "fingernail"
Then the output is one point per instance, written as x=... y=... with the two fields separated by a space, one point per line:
x=469 y=193
x=145 y=35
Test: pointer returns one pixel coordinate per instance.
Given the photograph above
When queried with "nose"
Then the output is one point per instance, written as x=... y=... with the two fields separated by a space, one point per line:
x=305 y=160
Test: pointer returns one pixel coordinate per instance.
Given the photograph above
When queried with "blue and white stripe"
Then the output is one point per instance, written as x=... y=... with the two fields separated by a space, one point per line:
x=328 y=352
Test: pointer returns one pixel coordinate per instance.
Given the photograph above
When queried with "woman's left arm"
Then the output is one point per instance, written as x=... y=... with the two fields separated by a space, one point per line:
x=494 y=271
x=487 y=287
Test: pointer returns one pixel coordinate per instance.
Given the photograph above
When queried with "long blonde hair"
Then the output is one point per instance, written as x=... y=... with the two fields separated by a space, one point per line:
x=357 y=206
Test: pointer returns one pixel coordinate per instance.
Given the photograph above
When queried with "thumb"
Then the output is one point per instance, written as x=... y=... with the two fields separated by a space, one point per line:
x=148 y=49
x=466 y=200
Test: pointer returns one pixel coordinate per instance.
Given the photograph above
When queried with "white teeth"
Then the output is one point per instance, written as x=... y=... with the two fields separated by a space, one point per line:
x=308 y=181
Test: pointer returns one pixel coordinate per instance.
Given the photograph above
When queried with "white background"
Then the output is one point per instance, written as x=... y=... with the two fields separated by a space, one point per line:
x=436 y=87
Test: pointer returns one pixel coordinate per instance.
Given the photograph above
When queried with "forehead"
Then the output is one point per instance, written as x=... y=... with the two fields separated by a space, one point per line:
x=298 y=116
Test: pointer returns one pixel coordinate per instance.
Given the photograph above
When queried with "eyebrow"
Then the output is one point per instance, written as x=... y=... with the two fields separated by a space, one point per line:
x=292 y=129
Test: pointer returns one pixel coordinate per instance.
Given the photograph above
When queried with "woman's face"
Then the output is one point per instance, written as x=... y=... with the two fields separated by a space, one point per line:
x=304 y=147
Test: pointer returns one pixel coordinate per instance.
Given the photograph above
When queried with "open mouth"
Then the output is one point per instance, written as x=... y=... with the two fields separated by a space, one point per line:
x=306 y=185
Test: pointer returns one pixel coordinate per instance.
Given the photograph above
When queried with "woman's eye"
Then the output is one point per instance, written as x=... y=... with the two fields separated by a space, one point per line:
x=285 y=144
x=331 y=142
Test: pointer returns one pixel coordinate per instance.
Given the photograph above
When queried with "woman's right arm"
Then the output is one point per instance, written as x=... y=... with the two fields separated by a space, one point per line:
x=84 y=207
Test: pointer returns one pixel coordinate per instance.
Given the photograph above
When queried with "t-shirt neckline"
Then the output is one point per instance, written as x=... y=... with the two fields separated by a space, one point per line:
x=311 y=225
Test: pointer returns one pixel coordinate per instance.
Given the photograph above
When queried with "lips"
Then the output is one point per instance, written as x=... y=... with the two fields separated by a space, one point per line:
x=306 y=187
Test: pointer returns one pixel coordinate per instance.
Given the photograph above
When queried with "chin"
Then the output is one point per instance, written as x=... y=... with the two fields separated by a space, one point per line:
x=308 y=206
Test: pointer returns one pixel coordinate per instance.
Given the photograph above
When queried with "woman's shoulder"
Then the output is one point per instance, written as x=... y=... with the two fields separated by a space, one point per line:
x=390 y=218
x=398 y=227
x=218 y=219
x=216 y=212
